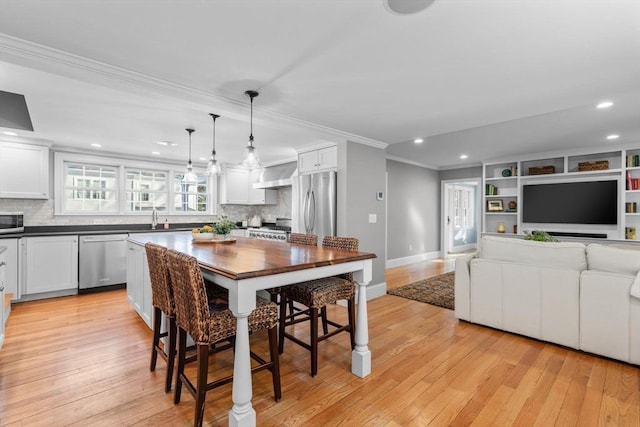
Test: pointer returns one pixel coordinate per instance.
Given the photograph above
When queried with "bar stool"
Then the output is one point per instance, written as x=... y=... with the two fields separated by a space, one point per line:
x=162 y=301
x=316 y=295
x=297 y=239
x=208 y=326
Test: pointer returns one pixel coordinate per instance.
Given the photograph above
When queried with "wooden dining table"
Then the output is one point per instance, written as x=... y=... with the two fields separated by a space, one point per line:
x=245 y=266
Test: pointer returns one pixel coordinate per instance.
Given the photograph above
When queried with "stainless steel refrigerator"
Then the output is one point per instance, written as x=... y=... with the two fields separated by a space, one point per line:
x=317 y=210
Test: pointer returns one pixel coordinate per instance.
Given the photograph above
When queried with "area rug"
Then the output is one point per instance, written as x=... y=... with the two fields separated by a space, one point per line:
x=437 y=290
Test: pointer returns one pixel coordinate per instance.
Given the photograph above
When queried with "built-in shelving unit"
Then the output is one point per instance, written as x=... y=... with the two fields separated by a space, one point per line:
x=504 y=179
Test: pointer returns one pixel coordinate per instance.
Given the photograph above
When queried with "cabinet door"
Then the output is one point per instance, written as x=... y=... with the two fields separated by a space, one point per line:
x=51 y=263
x=3 y=270
x=308 y=162
x=235 y=187
x=11 y=269
x=328 y=158
x=138 y=282
x=24 y=171
x=134 y=284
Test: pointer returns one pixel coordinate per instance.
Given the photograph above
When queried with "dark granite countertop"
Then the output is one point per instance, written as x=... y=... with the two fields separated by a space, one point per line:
x=59 y=230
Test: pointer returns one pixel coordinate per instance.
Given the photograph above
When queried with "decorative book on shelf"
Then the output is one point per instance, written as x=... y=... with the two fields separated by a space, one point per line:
x=632 y=183
x=491 y=190
x=631 y=207
x=633 y=161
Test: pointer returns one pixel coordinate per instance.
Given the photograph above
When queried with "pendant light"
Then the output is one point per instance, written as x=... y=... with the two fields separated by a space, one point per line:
x=189 y=176
x=251 y=159
x=212 y=167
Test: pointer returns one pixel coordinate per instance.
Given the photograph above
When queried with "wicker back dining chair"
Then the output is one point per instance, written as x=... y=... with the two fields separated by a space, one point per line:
x=208 y=326
x=316 y=295
x=297 y=239
x=162 y=301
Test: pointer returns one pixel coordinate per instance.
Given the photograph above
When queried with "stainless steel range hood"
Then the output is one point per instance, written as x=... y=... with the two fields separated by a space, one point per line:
x=277 y=176
x=13 y=111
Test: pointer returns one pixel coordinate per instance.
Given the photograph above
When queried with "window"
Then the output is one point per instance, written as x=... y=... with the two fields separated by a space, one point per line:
x=145 y=189
x=90 y=188
x=95 y=185
x=190 y=197
x=462 y=208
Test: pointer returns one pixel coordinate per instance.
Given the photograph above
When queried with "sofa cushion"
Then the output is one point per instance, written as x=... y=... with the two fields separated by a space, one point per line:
x=570 y=255
x=613 y=259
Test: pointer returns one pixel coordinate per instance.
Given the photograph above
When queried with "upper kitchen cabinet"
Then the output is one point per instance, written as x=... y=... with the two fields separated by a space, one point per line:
x=236 y=188
x=24 y=171
x=318 y=160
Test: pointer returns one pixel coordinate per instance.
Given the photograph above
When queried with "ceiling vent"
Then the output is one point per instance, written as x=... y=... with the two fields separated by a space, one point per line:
x=13 y=112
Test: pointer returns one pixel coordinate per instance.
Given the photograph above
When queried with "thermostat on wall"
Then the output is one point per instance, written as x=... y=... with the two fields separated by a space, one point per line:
x=380 y=195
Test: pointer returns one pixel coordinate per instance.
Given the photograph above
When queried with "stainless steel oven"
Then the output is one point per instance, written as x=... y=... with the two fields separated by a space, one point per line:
x=11 y=222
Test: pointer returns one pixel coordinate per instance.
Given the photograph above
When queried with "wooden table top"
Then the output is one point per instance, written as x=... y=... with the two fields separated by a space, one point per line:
x=246 y=258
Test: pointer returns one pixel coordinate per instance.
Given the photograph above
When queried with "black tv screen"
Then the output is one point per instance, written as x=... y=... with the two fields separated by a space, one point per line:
x=593 y=202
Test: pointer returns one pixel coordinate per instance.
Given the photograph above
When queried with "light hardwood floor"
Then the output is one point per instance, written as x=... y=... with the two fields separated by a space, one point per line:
x=84 y=360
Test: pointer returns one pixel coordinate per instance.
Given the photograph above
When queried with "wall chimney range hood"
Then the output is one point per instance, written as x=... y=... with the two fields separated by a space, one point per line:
x=13 y=112
x=277 y=176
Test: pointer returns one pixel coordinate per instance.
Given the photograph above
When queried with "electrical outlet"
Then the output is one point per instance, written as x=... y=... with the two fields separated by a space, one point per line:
x=410 y=248
x=373 y=218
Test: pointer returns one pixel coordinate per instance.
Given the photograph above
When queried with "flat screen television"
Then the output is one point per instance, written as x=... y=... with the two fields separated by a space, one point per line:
x=585 y=202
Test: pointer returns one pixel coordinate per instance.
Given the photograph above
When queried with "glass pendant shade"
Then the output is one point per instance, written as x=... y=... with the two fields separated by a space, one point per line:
x=190 y=176
x=212 y=167
x=251 y=159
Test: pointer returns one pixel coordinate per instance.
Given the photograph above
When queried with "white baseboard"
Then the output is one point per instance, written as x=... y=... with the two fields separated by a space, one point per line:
x=397 y=262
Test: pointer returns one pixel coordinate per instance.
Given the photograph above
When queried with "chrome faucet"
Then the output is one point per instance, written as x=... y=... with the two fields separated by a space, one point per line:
x=154 y=218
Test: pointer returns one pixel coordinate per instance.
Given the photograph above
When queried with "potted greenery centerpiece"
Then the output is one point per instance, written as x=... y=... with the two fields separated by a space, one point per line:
x=223 y=227
x=539 y=236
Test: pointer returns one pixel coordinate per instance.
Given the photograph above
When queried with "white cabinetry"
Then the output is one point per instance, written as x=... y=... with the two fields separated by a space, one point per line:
x=501 y=197
x=24 y=171
x=138 y=282
x=632 y=194
x=50 y=264
x=504 y=182
x=318 y=160
x=236 y=188
x=3 y=269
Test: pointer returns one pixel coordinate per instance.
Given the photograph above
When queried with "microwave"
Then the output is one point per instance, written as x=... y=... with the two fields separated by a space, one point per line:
x=11 y=222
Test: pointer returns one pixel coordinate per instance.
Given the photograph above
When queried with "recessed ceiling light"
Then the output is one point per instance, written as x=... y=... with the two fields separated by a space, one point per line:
x=155 y=153
x=418 y=140
x=96 y=145
x=10 y=133
x=464 y=156
x=613 y=136
x=407 y=7
x=167 y=143
x=605 y=104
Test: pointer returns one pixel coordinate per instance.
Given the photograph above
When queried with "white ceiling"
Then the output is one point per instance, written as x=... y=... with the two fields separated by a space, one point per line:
x=487 y=78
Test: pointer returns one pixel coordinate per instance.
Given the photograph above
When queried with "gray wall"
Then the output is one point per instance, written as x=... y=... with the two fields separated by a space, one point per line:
x=413 y=210
x=463 y=173
x=361 y=173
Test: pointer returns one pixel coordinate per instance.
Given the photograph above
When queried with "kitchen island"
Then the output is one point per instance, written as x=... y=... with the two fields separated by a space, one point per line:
x=247 y=266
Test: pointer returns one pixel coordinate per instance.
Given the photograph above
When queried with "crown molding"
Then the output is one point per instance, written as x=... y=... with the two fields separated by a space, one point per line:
x=69 y=65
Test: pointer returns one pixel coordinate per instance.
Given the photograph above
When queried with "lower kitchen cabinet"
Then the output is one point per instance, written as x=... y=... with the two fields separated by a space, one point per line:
x=138 y=282
x=50 y=264
x=3 y=270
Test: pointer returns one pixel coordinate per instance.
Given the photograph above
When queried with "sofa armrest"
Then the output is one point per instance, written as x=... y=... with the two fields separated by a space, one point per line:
x=463 y=286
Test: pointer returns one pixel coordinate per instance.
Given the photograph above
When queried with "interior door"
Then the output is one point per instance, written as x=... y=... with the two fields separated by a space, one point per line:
x=460 y=216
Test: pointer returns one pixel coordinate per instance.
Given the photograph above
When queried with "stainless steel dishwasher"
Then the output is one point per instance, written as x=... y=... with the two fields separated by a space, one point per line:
x=102 y=260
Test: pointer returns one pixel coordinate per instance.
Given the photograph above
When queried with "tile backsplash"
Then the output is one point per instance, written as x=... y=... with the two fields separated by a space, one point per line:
x=41 y=212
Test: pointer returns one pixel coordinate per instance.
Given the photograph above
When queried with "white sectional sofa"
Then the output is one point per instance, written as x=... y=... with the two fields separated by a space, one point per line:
x=569 y=293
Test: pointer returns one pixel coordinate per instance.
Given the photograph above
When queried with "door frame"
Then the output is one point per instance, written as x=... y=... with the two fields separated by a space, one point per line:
x=444 y=205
